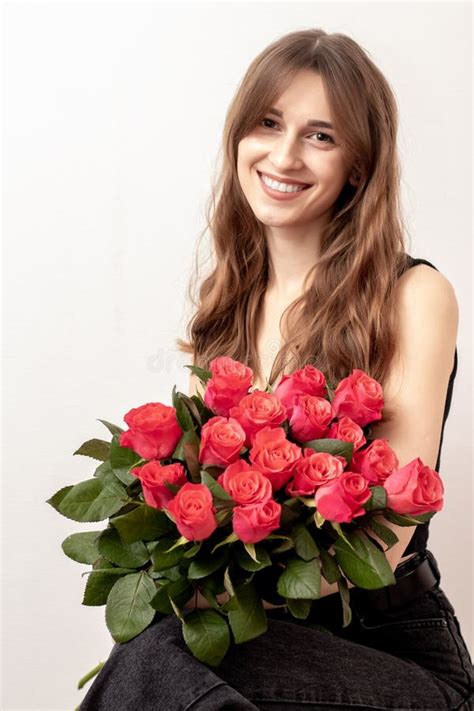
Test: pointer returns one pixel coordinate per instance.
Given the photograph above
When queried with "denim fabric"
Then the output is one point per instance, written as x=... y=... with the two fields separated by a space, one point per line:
x=411 y=657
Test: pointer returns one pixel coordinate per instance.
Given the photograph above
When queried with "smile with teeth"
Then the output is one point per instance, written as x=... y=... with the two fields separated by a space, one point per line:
x=282 y=187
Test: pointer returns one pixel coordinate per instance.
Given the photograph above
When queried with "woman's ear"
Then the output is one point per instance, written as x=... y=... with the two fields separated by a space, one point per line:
x=354 y=178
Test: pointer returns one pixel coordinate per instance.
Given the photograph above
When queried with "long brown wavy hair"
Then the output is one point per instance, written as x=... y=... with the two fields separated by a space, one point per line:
x=346 y=317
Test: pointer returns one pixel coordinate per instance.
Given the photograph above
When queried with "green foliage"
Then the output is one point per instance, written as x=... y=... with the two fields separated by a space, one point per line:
x=207 y=635
x=128 y=611
x=362 y=562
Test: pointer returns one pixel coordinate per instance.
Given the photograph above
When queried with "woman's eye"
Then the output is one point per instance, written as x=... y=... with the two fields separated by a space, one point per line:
x=327 y=137
x=331 y=140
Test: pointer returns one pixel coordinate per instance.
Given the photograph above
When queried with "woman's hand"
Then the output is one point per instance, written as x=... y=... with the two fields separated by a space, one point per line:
x=202 y=603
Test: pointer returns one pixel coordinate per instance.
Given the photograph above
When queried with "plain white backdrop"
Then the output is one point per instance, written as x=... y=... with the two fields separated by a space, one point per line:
x=112 y=117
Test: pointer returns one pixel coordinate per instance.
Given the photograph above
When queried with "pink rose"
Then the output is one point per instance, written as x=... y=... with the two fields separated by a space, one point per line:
x=258 y=410
x=306 y=381
x=375 y=462
x=414 y=489
x=229 y=382
x=342 y=499
x=348 y=431
x=274 y=455
x=154 y=431
x=310 y=417
x=153 y=476
x=312 y=470
x=245 y=484
x=254 y=523
x=222 y=440
x=359 y=397
x=193 y=512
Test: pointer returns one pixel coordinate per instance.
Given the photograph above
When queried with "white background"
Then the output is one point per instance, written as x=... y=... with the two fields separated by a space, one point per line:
x=112 y=116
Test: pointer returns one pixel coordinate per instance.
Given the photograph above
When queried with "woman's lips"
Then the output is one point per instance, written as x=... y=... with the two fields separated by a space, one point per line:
x=277 y=194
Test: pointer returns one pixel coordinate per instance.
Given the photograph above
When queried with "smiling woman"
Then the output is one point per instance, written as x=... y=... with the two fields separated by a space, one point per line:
x=311 y=268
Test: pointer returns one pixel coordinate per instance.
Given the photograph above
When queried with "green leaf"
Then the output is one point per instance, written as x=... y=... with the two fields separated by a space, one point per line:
x=333 y=446
x=378 y=499
x=95 y=448
x=122 y=459
x=163 y=559
x=128 y=611
x=126 y=555
x=337 y=527
x=194 y=550
x=300 y=579
x=248 y=619
x=183 y=414
x=243 y=559
x=100 y=583
x=305 y=545
x=299 y=608
x=92 y=500
x=56 y=498
x=217 y=491
x=178 y=590
x=193 y=406
x=345 y=599
x=203 y=375
x=82 y=547
x=329 y=567
x=103 y=469
x=188 y=446
x=144 y=523
x=207 y=635
x=405 y=520
x=231 y=538
x=386 y=534
x=363 y=564
x=113 y=429
x=207 y=564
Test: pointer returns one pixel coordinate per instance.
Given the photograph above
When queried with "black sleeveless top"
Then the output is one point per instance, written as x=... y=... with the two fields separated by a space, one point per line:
x=420 y=537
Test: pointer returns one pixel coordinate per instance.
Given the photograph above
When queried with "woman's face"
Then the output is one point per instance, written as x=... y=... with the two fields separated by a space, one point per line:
x=285 y=146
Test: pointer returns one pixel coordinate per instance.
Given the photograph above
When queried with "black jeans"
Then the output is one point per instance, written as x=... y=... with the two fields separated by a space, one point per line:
x=412 y=657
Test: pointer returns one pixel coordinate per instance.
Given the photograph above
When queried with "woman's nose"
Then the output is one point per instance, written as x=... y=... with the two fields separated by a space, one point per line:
x=285 y=153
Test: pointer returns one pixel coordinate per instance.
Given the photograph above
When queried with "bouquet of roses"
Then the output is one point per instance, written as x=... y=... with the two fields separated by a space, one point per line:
x=257 y=493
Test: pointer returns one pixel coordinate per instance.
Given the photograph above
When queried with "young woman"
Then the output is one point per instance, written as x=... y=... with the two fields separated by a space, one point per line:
x=311 y=268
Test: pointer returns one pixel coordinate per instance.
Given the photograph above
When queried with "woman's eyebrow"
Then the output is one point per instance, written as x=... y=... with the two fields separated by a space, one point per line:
x=313 y=122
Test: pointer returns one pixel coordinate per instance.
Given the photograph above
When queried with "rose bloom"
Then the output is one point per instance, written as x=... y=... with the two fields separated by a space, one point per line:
x=222 y=440
x=229 y=382
x=310 y=417
x=193 y=512
x=414 y=489
x=376 y=462
x=258 y=410
x=348 y=431
x=274 y=455
x=153 y=475
x=312 y=470
x=342 y=499
x=306 y=381
x=254 y=523
x=153 y=431
x=245 y=484
x=359 y=397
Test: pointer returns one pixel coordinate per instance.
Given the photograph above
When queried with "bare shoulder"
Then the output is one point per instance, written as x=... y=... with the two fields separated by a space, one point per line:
x=417 y=381
x=422 y=286
x=428 y=318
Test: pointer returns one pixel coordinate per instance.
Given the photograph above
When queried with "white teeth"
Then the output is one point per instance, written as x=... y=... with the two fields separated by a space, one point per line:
x=282 y=187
